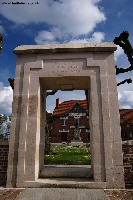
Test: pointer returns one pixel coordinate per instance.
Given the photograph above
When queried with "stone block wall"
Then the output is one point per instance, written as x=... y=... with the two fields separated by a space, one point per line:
x=4 y=149
x=127 y=148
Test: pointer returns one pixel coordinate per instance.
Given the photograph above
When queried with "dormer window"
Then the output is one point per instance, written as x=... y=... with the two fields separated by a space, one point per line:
x=122 y=116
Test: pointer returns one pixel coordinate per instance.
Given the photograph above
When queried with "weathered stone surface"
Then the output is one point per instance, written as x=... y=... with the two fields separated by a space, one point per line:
x=62 y=194
x=52 y=67
x=68 y=171
x=55 y=48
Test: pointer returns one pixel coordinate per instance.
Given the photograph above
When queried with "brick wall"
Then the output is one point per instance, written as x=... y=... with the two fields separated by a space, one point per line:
x=127 y=147
x=4 y=149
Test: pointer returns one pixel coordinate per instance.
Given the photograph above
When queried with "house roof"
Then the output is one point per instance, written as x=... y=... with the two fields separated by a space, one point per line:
x=127 y=115
x=66 y=106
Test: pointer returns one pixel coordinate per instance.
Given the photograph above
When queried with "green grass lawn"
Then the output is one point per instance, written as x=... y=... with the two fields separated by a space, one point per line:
x=68 y=156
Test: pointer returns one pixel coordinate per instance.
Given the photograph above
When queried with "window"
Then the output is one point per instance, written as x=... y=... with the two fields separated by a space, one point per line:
x=64 y=122
x=131 y=135
x=122 y=116
x=77 y=121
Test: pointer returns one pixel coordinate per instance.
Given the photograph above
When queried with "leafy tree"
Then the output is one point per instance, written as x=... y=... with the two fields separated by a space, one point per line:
x=3 y=118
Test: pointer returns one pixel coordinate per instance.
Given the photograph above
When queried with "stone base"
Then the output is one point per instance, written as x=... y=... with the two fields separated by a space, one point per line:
x=62 y=183
x=62 y=193
x=66 y=171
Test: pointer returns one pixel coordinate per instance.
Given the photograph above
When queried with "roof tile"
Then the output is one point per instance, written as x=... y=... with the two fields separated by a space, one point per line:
x=65 y=107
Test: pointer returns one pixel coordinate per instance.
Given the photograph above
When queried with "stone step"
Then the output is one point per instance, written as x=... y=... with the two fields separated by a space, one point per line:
x=62 y=194
x=66 y=171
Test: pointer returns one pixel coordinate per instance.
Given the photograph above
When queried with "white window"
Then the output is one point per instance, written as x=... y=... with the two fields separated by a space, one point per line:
x=64 y=122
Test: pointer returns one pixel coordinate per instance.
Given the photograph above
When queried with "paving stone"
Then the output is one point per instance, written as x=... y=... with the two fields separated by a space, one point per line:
x=62 y=194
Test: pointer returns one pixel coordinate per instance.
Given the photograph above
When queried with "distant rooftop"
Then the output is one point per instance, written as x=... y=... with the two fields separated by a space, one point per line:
x=66 y=106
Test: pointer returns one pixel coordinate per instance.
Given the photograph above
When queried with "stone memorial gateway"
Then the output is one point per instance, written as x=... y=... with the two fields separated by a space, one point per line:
x=65 y=67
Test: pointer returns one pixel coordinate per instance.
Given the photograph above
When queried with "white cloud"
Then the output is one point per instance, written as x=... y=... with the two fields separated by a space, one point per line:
x=2 y=29
x=44 y=37
x=75 y=17
x=56 y=35
x=126 y=99
x=6 y=98
x=118 y=52
x=52 y=36
x=96 y=37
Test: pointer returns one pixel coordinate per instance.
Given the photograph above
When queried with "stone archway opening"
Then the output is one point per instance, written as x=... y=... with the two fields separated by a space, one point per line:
x=70 y=154
x=84 y=66
x=65 y=84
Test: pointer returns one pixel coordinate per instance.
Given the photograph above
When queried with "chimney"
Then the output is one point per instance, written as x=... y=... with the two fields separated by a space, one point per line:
x=57 y=102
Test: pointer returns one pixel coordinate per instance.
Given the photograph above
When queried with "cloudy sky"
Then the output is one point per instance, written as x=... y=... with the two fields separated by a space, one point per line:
x=62 y=21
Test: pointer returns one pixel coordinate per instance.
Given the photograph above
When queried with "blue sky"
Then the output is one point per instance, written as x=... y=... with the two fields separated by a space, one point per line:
x=62 y=21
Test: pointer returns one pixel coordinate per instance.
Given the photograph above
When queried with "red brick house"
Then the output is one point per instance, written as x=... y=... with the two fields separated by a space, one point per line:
x=66 y=113
x=126 y=122
x=64 y=120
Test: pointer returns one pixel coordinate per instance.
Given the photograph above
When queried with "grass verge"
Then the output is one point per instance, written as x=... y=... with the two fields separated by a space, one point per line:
x=68 y=156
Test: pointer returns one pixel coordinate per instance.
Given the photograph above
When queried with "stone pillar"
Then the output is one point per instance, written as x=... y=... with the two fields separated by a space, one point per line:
x=29 y=135
x=111 y=126
x=96 y=138
x=15 y=126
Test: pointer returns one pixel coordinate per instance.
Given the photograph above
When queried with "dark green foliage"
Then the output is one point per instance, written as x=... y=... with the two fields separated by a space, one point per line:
x=4 y=117
x=1 y=137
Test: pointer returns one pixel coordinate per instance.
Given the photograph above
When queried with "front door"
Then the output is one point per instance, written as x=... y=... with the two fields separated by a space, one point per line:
x=64 y=136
